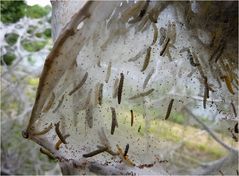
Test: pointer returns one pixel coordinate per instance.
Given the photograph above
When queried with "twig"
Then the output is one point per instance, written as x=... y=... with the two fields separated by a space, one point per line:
x=210 y=131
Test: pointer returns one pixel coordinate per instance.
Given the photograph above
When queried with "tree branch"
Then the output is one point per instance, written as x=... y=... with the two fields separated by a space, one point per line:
x=230 y=149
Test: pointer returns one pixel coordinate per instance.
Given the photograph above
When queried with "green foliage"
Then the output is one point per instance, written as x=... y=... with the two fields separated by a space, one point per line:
x=211 y=151
x=33 y=46
x=38 y=34
x=31 y=60
x=8 y=58
x=11 y=38
x=178 y=118
x=47 y=33
x=163 y=130
x=15 y=145
x=37 y=11
x=33 y=81
x=31 y=29
x=12 y=11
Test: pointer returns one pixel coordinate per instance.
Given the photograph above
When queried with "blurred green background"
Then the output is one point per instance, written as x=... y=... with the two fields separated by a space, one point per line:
x=13 y=11
x=26 y=34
